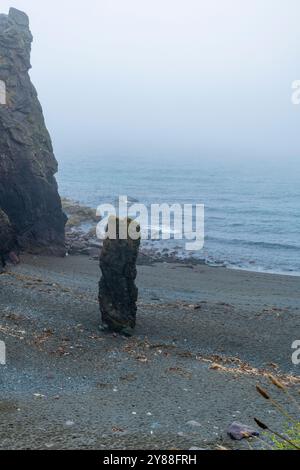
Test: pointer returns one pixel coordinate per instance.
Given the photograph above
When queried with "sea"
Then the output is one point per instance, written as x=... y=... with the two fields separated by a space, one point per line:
x=252 y=209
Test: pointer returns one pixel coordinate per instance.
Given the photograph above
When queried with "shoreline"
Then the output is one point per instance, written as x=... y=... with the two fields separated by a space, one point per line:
x=293 y=274
x=81 y=239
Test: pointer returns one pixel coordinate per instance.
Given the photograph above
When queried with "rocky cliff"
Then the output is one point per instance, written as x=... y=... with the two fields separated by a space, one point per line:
x=28 y=190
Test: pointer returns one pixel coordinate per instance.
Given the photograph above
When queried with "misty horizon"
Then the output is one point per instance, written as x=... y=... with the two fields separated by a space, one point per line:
x=203 y=80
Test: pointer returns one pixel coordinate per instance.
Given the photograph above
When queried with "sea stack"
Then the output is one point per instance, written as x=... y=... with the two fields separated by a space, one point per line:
x=117 y=290
x=28 y=190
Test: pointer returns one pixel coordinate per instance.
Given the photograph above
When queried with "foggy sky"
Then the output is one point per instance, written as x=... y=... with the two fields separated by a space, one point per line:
x=167 y=78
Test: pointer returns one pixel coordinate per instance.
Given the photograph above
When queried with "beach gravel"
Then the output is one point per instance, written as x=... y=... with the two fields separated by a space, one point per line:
x=204 y=338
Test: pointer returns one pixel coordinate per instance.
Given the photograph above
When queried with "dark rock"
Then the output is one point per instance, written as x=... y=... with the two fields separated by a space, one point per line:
x=19 y=17
x=117 y=290
x=94 y=253
x=14 y=258
x=239 y=431
x=28 y=190
x=8 y=241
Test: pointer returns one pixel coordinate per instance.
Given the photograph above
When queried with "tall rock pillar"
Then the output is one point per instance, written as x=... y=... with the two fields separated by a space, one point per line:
x=117 y=290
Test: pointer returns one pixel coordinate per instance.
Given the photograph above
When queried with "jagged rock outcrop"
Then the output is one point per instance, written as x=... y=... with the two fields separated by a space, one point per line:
x=8 y=240
x=117 y=290
x=28 y=190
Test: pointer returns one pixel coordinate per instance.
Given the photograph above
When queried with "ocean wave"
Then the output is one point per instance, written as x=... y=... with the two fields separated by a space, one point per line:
x=261 y=244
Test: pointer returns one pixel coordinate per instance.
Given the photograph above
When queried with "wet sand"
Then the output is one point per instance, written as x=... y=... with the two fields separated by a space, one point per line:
x=205 y=337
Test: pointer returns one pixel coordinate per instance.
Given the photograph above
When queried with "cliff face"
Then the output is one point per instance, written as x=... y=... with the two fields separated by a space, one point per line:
x=28 y=190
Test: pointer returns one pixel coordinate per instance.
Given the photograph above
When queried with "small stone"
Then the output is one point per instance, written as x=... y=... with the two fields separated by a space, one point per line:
x=238 y=431
x=193 y=423
x=38 y=395
x=70 y=423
